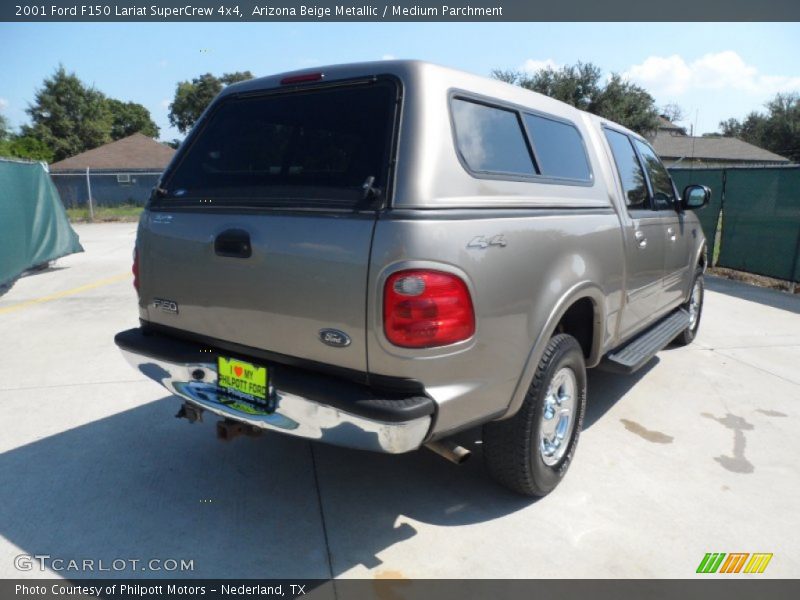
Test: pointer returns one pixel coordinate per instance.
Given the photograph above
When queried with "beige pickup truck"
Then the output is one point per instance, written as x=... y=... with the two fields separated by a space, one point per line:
x=382 y=255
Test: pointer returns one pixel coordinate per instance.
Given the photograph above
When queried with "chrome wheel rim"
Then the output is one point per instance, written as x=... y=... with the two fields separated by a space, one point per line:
x=694 y=304
x=558 y=416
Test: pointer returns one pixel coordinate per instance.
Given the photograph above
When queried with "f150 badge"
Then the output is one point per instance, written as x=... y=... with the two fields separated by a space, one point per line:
x=334 y=337
x=168 y=306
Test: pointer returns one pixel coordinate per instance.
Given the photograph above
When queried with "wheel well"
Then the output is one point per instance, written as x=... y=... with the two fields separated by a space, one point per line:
x=578 y=322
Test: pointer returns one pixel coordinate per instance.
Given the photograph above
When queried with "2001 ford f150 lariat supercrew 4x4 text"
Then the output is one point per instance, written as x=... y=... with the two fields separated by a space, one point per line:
x=381 y=255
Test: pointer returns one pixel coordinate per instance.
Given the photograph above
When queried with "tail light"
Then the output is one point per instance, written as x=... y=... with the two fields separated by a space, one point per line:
x=135 y=269
x=424 y=308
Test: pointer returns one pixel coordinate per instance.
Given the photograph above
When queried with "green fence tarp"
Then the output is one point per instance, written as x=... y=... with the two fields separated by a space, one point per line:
x=761 y=228
x=34 y=228
x=709 y=216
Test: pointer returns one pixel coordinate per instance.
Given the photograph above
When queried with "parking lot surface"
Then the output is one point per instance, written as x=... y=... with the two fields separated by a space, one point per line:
x=696 y=453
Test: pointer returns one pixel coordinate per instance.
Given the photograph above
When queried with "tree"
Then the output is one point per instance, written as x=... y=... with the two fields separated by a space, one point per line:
x=5 y=131
x=777 y=130
x=17 y=146
x=30 y=148
x=581 y=86
x=627 y=104
x=673 y=112
x=129 y=118
x=68 y=117
x=730 y=128
x=192 y=97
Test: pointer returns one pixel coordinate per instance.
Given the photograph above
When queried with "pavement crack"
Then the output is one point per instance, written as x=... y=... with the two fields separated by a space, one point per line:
x=62 y=385
x=81 y=384
x=749 y=346
x=751 y=365
x=322 y=517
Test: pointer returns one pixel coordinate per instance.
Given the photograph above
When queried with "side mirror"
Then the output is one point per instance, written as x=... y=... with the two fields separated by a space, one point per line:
x=695 y=196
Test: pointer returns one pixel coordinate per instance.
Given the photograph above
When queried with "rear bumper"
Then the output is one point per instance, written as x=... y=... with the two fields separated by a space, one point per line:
x=307 y=404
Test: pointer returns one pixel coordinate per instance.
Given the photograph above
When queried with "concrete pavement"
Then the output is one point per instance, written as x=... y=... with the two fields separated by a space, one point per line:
x=697 y=453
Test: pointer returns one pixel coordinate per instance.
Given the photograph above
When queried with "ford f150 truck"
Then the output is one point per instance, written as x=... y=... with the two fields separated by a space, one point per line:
x=381 y=255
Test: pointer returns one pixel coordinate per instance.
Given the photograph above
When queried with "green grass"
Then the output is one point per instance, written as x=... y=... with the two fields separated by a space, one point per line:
x=125 y=212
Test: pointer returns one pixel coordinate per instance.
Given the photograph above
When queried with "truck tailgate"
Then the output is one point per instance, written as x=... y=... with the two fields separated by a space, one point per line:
x=304 y=274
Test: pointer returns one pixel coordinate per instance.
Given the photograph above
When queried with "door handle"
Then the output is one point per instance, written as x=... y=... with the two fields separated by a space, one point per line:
x=671 y=234
x=640 y=239
x=234 y=243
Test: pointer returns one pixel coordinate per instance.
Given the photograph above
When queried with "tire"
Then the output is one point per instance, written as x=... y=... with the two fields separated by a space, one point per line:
x=516 y=450
x=687 y=336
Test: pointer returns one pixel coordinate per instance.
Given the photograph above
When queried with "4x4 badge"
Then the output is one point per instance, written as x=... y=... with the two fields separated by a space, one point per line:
x=481 y=241
x=334 y=337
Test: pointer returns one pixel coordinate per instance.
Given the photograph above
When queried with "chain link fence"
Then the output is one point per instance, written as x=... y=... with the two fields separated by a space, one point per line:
x=91 y=188
x=760 y=218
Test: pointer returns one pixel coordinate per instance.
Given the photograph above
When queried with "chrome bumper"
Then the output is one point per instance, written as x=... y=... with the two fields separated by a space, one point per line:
x=293 y=414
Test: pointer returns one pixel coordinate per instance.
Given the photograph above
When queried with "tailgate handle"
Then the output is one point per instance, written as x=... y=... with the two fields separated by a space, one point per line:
x=234 y=243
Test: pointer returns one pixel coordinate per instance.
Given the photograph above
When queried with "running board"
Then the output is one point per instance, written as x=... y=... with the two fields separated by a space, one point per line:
x=637 y=352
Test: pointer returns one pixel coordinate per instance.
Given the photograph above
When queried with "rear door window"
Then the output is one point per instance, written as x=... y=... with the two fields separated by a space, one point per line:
x=316 y=147
x=491 y=139
x=629 y=169
x=558 y=148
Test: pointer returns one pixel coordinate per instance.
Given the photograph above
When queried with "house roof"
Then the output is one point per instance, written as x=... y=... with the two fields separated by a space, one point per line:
x=664 y=124
x=667 y=145
x=136 y=151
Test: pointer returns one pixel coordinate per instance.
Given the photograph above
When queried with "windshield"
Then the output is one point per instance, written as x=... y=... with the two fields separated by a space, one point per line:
x=317 y=148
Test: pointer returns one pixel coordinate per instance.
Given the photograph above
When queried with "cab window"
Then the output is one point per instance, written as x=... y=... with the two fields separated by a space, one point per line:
x=661 y=182
x=629 y=169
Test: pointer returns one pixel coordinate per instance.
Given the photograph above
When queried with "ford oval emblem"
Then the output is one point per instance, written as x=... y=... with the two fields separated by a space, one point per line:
x=334 y=337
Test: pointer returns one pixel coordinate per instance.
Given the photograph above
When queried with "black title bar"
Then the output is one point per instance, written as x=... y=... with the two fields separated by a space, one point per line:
x=173 y=11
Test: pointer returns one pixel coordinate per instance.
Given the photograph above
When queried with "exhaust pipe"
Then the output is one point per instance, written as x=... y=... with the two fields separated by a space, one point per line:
x=450 y=450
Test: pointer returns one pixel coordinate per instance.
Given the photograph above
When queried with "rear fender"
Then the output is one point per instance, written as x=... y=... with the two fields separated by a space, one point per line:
x=577 y=292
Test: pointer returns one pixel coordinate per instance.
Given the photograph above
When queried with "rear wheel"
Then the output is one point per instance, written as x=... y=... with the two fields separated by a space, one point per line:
x=531 y=451
x=695 y=309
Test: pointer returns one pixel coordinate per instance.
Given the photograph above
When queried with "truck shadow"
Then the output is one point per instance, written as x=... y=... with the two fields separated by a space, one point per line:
x=143 y=485
x=753 y=293
x=606 y=389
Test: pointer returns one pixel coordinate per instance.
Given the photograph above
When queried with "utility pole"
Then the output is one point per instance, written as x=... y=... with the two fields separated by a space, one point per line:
x=89 y=191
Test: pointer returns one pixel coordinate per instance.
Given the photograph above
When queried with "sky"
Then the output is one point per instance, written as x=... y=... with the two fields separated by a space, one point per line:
x=713 y=71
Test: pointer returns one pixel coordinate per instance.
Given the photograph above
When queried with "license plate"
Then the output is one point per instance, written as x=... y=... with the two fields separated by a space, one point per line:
x=242 y=379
